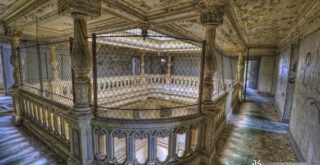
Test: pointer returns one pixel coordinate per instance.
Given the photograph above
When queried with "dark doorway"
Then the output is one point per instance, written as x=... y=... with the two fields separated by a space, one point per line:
x=251 y=73
x=254 y=74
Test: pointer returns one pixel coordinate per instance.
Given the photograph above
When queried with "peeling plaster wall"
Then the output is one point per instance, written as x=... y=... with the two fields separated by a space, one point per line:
x=282 y=80
x=266 y=73
x=291 y=82
x=305 y=115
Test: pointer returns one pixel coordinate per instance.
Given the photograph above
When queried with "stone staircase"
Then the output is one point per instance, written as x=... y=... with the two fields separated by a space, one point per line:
x=19 y=147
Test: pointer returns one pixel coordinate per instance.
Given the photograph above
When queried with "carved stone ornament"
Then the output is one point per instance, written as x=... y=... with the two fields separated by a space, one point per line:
x=2 y=9
x=181 y=130
x=14 y=35
x=163 y=133
x=213 y=15
x=100 y=131
x=88 y=7
x=118 y=134
x=141 y=134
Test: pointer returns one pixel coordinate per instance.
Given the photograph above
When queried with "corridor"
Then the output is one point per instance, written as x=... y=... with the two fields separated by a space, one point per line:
x=254 y=133
x=19 y=147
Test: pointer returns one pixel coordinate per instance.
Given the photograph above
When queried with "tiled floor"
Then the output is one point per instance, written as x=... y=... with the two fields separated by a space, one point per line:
x=19 y=147
x=5 y=104
x=254 y=133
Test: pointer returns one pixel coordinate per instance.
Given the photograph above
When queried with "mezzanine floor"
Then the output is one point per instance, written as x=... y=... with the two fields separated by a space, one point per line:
x=254 y=132
x=19 y=147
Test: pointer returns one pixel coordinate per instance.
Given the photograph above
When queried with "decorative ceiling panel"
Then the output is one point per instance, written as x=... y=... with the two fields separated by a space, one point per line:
x=267 y=21
x=153 y=7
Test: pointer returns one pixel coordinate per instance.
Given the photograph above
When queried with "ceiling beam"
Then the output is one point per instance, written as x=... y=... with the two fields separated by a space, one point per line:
x=236 y=26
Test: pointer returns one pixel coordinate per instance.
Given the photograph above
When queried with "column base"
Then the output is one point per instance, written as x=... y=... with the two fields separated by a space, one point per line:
x=81 y=110
x=80 y=139
x=17 y=120
x=208 y=106
x=209 y=158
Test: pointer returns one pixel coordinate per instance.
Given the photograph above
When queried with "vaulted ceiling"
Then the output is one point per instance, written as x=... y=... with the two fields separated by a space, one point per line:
x=262 y=25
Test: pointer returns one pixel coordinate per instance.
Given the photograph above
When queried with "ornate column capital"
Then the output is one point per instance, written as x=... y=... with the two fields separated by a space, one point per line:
x=13 y=32
x=213 y=15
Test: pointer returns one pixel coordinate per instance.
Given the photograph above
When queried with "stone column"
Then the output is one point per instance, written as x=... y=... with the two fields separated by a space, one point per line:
x=169 y=70
x=81 y=63
x=79 y=118
x=240 y=73
x=14 y=36
x=143 y=74
x=54 y=71
x=211 y=18
x=53 y=63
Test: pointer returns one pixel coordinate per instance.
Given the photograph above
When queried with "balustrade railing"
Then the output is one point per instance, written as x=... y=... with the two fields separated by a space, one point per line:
x=43 y=114
x=148 y=142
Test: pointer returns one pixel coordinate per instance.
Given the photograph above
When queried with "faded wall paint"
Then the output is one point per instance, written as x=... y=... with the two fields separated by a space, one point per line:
x=282 y=80
x=291 y=82
x=305 y=115
x=266 y=73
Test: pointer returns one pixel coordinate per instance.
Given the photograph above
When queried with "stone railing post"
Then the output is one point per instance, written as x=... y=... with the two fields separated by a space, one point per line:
x=80 y=131
x=172 y=146
x=211 y=18
x=240 y=74
x=14 y=37
x=152 y=148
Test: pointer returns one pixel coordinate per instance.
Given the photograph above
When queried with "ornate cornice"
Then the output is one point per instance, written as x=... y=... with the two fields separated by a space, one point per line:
x=86 y=7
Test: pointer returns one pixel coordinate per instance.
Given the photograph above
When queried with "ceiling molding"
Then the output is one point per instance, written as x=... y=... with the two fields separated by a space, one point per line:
x=308 y=22
x=236 y=26
x=26 y=7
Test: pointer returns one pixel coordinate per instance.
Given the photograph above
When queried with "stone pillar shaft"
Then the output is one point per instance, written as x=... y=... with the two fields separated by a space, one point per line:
x=211 y=19
x=14 y=36
x=81 y=63
x=53 y=63
x=142 y=64
x=169 y=66
x=14 y=61
x=169 y=73
x=210 y=63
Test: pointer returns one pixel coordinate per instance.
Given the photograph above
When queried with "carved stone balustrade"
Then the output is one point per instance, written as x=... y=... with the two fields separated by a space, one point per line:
x=166 y=141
